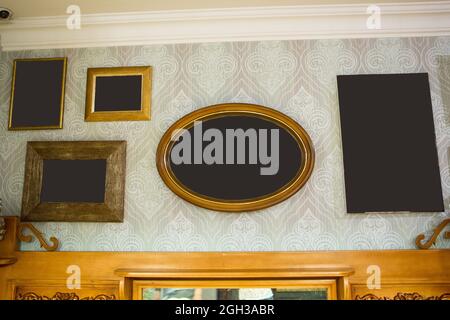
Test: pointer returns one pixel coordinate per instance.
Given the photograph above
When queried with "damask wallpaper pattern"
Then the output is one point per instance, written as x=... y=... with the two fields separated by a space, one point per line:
x=295 y=77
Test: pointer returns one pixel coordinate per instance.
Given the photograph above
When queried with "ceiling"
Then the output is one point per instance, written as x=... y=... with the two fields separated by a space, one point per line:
x=33 y=8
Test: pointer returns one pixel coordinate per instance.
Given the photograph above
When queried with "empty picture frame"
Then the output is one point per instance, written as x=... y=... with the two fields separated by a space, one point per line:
x=37 y=94
x=118 y=94
x=74 y=181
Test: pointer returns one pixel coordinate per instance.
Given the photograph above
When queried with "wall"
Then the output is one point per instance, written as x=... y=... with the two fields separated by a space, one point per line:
x=295 y=77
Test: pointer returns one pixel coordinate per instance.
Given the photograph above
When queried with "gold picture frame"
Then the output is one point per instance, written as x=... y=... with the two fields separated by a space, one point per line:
x=222 y=110
x=119 y=115
x=13 y=99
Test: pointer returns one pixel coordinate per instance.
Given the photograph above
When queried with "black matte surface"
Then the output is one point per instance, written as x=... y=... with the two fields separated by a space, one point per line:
x=37 y=93
x=118 y=93
x=240 y=181
x=73 y=181
x=389 y=144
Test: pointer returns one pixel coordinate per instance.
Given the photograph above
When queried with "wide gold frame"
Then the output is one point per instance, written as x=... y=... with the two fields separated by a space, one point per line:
x=63 y=85
x=223 y=110
x=146 y=93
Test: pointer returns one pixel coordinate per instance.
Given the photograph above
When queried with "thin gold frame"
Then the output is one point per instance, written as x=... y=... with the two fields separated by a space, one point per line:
x=61 y=110
x=146 y=91
x=221 y=110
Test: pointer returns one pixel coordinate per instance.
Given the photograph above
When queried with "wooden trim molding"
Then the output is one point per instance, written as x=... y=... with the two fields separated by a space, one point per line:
x=303 y=276
x=62 y=296
x=50 y=289
x=301 y=271
x=236 y=24
x=405 y=274
x=407 y=271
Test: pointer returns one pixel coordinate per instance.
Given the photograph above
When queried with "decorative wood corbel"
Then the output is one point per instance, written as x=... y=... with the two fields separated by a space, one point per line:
x=8 y=244
x=434 y=236
x=2 y=228
x=2 y=223
x=39 y=235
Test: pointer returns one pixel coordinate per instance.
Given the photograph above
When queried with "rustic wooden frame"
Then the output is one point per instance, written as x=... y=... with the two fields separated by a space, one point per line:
x=221 y=110
x=111 y=210
x=146 y=93
x=61 y=108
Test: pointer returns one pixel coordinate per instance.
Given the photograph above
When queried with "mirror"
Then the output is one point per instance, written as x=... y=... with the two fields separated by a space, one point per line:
x=235 y=294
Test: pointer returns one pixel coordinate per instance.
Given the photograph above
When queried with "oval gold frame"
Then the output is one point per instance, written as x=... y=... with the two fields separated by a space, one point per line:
x=221 y=110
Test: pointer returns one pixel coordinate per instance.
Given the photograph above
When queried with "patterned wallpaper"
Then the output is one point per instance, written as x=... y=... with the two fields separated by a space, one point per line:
x=295 y=77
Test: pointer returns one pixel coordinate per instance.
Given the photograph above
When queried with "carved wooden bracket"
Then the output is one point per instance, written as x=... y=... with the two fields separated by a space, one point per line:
x=2 y=228
x=2 y=224
x=433 y=238
x=39 y=235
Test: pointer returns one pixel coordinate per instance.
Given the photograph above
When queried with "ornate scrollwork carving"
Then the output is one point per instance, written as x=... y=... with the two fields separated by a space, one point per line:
x=403 y=296
x=2 y=228
x=62 y=296
x=433 y=238
x=2 y=224
x=38 y=235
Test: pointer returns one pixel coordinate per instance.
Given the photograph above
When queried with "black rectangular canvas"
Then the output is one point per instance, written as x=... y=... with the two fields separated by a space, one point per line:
x=118 y=93
x=37 y=99
x=389 y=143
x=73 y=180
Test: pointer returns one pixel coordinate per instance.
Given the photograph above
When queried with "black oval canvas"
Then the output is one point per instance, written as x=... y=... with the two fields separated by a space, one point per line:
x=235 y=157
x=240 y=181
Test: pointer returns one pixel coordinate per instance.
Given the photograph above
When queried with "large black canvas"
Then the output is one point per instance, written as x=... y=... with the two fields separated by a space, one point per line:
x=37 y=96
x=73 y=181
x=389 y=143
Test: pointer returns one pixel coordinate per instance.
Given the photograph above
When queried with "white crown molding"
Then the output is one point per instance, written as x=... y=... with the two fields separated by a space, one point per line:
x=215 y=25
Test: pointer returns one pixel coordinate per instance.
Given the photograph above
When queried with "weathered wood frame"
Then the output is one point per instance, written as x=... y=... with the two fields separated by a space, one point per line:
x=111 y=210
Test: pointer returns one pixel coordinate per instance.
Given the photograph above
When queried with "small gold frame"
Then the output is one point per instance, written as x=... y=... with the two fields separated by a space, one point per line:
x=61 y=110
x=146 y=86
x=223 y=110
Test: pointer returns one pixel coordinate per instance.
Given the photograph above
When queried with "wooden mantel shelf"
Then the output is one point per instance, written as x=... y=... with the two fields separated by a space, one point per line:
x=306 y=271
x=7 y=261
x=416 y=273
